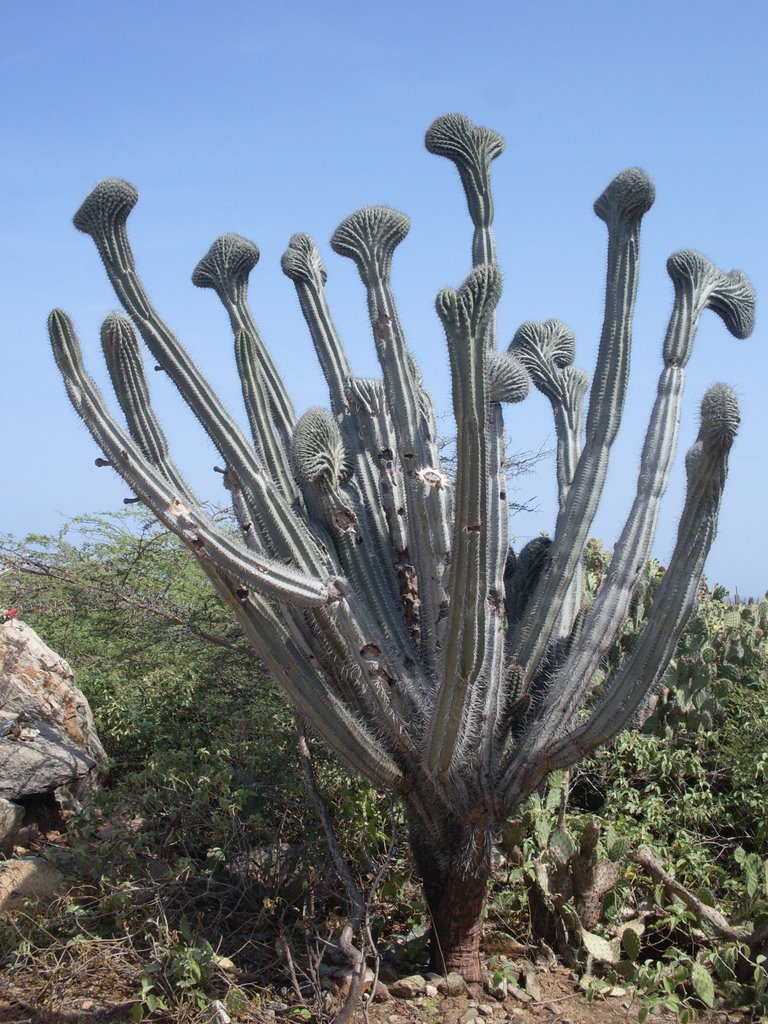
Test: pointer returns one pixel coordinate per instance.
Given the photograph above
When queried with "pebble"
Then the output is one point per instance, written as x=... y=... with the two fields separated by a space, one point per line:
x=485 y=1010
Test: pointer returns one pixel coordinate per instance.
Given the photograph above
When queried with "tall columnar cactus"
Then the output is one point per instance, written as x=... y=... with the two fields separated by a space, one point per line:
x=383 y=596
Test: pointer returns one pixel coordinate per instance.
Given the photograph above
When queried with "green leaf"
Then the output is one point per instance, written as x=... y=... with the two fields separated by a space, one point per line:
x=137 y=1013
x=703 y=984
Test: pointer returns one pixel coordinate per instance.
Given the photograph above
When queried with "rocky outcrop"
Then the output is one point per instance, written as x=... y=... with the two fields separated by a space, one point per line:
x=47 y=736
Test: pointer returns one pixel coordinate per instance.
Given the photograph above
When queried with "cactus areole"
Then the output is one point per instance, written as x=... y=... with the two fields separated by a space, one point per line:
x=383 y=596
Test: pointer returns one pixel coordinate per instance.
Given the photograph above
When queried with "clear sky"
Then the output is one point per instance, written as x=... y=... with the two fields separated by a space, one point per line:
x=267 y=119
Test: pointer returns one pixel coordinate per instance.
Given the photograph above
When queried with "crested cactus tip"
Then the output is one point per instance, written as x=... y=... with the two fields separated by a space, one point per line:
x=302 y=261
x=377 y=584
x=628 y=196
x=109 y=202
x=229 y=261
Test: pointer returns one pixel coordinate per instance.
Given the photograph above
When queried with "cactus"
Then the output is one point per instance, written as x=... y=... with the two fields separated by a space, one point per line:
x=382 y=595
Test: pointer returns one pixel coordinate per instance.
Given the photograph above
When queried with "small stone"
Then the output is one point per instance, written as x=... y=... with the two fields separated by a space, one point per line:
x=225 y=964
x=468 y=1015
x=87 y=1005
x=452 y=985
x=380 y=993
x=216 y=1013
x=485 y=1010
x=517 y=993
x=409 y=988
x=531 y=983
x=497 y=986
x=431 y=991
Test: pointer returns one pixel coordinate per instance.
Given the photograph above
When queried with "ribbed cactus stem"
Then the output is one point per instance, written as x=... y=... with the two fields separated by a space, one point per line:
x=706 y=468
x=621 y=206
x=301 y=262
x=226 y=268
x=369 y=238
x=471 y=148
x=464 y=315
x=698 y=285
x=267 y=438
x=270 y=577
x=126 y=370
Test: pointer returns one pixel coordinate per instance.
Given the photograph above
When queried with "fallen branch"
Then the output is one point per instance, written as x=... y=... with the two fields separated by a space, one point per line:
x=645 y=859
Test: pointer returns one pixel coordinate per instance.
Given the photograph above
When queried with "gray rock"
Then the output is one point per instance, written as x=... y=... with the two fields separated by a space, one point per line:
x=497 y=987
x=11 y=816
x=531 y=983
x=41 y=764
x=27 y=878
x=39 y=685
x=408 y=988
x=517 y=993
x=47 y=736
x=452 y=985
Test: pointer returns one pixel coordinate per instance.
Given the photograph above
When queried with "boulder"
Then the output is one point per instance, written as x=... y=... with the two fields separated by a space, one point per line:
x=47 y=736
x=29 y=878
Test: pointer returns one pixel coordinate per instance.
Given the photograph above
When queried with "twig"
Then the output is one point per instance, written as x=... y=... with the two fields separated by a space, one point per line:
x=357 y=905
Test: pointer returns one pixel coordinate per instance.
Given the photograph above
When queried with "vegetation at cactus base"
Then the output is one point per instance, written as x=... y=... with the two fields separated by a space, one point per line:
x=200 y=872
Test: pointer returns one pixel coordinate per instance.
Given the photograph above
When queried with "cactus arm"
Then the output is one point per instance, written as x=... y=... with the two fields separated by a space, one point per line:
x=547 y=350
x=301 y=262
x=706 y=467
x=356 y=416
x=320 y=464
x=622 y=205
x=369 y=237
x=269 y=576
x=356 y=746
x=103 y=215
x=274 y=646
x=225 y=269
x=698 y=285
x=126 y=370
x=266 y=434
x=471 y=148
x=465 y=314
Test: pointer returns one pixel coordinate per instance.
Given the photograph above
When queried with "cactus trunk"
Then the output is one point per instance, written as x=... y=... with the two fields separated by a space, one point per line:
x=455 y=894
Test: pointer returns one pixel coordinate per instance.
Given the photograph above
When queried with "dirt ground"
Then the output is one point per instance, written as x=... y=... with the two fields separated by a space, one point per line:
x=103 y=991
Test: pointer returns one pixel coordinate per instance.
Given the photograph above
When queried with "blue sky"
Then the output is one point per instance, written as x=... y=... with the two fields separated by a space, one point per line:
x=267 y=119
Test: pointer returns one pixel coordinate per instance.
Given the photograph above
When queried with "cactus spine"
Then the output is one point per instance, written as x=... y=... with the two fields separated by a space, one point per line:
x=384 y=597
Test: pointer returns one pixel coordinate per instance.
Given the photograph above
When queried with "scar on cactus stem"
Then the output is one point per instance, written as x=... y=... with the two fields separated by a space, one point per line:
x=387 y=570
